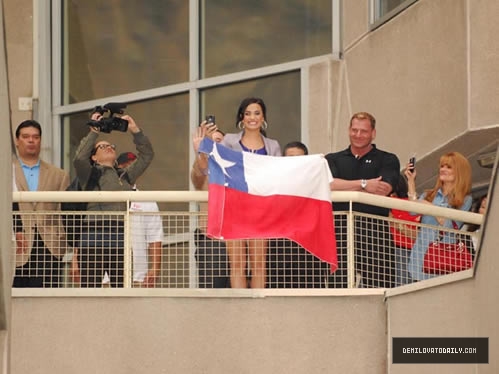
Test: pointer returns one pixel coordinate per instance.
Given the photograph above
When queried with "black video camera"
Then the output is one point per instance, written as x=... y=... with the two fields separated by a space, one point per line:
x=111 y=121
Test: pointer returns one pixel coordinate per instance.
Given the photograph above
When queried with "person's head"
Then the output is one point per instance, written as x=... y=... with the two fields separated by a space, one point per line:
x=401 y=188
x=125 y=159
x=454 y=178
x=362 y=130
x=479 y=207
x=481 y=204
x=218 y=136
x=28 y=139
x=104 y=153
x=455 y=169
x=252 y=115
x=295 y=149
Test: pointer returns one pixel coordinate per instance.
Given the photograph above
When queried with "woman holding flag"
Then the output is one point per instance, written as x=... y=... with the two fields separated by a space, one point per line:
x=250 y=119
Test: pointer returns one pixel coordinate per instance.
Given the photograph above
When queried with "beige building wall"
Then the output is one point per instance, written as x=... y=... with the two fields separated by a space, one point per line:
x=252 y=334
x=484 y=66
x=19 y=43
x=5 y=201
x=411 y=73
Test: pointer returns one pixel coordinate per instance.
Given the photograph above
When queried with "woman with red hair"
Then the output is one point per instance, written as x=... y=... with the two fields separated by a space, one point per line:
x=452 y=190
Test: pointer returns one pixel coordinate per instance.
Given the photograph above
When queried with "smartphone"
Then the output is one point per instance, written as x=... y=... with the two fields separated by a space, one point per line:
x=210 y=119
x=412 y=162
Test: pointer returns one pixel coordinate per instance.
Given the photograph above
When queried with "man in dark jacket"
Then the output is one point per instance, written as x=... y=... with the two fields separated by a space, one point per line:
x=363 y=167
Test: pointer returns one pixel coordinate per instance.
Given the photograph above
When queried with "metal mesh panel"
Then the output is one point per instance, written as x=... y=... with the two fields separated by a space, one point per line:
x=169 y=250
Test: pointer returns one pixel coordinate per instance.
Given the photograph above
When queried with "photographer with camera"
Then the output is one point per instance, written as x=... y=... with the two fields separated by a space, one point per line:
x=102 y=238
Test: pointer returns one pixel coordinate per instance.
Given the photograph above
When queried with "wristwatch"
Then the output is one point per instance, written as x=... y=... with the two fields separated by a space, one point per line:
x=363 y=184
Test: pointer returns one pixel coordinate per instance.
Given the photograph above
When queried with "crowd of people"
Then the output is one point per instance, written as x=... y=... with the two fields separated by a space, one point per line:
x=389 y=244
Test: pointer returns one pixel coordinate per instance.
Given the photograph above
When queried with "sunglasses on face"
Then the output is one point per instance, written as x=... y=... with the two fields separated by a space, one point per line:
x=105 y=146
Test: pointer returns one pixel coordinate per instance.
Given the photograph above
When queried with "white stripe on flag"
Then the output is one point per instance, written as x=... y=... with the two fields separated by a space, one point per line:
x=305 y=176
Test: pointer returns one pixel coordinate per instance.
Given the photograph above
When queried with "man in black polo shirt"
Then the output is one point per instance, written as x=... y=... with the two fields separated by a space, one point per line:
x=363 y=167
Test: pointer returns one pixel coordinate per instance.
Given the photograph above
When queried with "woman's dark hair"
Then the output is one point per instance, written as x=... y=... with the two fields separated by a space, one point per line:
x=476 y=207
x=245 y=103
x=296 y=144
x=401 y=187
x=478 y=203
x=92 y=154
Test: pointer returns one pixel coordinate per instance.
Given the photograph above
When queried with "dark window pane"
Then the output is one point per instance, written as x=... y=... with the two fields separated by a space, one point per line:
x=241 y=34
x=281 y=94
x=119 y=46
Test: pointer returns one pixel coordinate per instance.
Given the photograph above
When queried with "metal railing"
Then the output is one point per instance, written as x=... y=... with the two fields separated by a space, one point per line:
x=98 y=249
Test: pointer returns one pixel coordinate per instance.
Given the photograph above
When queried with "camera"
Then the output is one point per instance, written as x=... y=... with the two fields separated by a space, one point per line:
x=110 y=122
x=210 y=119
x=412 y=162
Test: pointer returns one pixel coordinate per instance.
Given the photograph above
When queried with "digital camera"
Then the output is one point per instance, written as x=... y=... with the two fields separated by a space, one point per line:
x=110 y=122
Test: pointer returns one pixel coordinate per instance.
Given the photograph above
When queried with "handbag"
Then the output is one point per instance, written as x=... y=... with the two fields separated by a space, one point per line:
x=445 y=258
x=403 y=235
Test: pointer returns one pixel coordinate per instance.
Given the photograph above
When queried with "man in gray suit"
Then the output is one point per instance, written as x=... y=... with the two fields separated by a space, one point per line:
x=38 y=264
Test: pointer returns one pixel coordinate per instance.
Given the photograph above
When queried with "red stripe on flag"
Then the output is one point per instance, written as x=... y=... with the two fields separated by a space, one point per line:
x=233 y=214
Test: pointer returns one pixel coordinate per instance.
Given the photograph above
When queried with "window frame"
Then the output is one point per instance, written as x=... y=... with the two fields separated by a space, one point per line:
x=376 y=20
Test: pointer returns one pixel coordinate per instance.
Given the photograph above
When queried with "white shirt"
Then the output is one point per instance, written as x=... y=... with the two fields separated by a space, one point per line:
x=145 y=229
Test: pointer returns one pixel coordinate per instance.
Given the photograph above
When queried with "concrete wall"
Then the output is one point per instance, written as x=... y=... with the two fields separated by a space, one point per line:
x=19 y=44
x=484 y=67
x=5 y=204
x=321 y=334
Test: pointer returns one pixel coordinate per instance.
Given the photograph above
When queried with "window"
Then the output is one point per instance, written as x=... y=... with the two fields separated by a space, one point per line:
x=172 y=70
x=241 y=35
x=383 y=10
x=117 y=47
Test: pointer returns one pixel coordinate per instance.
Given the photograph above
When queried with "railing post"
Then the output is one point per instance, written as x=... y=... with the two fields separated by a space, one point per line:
x=350 y=248
x=127 y=250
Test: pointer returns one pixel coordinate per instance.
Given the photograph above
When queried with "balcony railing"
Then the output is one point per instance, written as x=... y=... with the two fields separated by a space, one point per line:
x=107 y=249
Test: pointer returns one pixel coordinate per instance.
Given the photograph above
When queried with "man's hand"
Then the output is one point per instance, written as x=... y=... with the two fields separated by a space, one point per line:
x=378 y=187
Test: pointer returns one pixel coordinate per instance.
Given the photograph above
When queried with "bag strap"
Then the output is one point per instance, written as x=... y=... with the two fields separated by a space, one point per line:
x=441 y=233
x=123 y=174
x=93 y=179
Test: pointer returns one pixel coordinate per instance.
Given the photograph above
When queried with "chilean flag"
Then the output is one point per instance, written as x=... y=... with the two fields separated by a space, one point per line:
x=255 y=196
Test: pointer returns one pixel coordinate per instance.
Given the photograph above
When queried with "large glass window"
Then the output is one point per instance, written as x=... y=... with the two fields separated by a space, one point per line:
x=241 y=34
x=173 y=70
x=121 y=46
